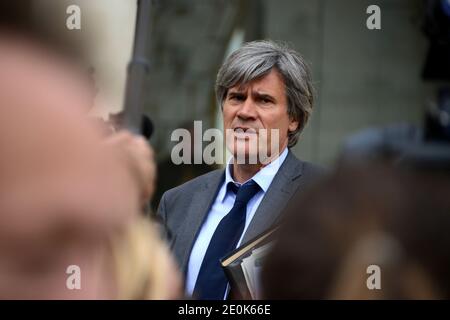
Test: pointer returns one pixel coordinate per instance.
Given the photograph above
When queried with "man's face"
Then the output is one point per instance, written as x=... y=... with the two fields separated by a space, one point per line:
x=248 y=108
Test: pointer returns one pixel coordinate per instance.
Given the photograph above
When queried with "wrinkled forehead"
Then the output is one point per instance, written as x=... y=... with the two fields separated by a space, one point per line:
x=269 y=81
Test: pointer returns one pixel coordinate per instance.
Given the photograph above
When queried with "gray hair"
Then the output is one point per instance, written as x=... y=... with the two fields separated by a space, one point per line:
x=256 y=59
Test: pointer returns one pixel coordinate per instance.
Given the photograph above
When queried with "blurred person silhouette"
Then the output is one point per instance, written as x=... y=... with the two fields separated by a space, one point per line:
x=68 y=196
x=359 y=218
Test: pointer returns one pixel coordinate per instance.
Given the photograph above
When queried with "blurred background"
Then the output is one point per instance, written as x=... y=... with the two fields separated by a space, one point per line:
x=363 y=78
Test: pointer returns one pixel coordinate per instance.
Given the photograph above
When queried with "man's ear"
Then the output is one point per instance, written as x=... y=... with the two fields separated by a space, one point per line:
x=293 y=125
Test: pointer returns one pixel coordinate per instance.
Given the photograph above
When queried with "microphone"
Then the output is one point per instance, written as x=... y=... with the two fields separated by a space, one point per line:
x=146 y=126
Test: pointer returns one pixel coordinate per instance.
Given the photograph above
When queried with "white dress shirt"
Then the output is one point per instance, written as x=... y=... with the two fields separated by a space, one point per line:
x=222 y=205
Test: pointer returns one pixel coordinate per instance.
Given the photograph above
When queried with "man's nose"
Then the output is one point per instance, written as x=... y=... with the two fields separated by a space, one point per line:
x=247 y=111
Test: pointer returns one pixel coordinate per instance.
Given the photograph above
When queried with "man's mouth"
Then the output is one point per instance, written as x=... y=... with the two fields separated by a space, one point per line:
x=245 y=129
x=244 y=133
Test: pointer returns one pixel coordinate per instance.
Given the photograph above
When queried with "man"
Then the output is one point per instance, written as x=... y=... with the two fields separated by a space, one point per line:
x=262 y=85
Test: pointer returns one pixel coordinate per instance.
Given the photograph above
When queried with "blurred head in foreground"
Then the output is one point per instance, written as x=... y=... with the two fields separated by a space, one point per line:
x=365 y=227
x=67 y=196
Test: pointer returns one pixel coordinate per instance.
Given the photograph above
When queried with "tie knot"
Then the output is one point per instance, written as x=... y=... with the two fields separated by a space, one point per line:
x=244 y=192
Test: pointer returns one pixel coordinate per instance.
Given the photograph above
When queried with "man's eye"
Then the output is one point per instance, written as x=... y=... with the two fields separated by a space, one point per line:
x=237 y=98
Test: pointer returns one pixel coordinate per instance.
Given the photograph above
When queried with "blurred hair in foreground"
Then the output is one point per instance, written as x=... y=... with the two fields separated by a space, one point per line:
x=362 y=215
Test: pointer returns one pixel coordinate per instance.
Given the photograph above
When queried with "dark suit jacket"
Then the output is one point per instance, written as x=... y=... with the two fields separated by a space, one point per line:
x=184 y=208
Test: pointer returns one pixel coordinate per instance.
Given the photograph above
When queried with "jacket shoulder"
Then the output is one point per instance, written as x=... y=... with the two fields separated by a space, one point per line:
x=192 y=186
x=308 y=169
x=312 y=169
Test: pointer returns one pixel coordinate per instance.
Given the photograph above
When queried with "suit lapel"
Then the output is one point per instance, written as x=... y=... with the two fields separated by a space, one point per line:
x=195 y=215
x=283 y=186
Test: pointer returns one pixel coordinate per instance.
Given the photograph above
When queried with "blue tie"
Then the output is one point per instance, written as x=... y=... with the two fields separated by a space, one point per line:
x=212 y=282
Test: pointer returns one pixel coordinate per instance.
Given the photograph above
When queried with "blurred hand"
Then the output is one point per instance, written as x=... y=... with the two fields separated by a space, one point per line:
x=139 y=157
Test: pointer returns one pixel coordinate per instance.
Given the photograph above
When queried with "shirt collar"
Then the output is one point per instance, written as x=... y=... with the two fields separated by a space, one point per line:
x=263 y=177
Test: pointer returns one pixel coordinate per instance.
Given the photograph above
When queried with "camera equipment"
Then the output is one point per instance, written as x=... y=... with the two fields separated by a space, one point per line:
x=405 y=144
x=138 y=69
